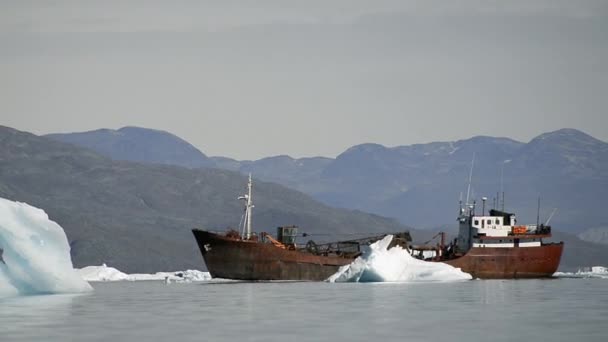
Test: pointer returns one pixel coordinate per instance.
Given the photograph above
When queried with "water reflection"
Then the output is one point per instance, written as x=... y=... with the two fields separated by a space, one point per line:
x=493 y=291
x=24 y=314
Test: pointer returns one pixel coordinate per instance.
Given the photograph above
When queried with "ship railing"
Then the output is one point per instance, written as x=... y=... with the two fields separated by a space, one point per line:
x=531 y=229
x=349 y=246
x=333 y=248
x=352 y=247
x=542 y=229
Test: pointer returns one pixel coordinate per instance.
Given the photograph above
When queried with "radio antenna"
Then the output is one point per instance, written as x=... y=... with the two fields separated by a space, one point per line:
x=550 y=216
x=470 y=178
x=538 y=212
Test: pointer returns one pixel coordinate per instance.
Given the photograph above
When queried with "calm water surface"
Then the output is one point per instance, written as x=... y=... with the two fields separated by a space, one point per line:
x=479 y=310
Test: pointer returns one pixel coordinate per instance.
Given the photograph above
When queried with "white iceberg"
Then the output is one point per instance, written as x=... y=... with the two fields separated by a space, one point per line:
x=592 y=272
x=101 y=273
x=34 y=253
x=106 y=273
x=599 y=270
x=381 y=264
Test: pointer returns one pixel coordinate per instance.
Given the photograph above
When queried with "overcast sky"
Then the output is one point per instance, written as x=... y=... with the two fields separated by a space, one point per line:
x=248 y=79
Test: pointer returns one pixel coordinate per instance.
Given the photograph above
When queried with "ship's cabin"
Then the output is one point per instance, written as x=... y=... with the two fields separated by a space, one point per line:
x=497 y=229
x=497 y=223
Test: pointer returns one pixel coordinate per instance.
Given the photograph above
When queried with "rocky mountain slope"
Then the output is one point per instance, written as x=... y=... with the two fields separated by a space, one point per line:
x=139 y=144
x=137 y=217
x=597 y=235
x=421 y=184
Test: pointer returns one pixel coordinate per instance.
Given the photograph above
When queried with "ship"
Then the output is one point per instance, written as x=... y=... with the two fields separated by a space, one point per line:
x=245 y=255
x=491 y=246
x=494 y=246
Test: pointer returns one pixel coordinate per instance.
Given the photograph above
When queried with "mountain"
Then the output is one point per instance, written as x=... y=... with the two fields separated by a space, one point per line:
x=579 y=253
x=137 y=217
x=300 y=174
x=596 y=235
x=426 y=177
x=140 y=145
x=421 y=184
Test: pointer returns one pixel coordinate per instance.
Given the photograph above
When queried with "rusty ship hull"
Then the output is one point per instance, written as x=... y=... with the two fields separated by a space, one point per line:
x=510 y=263
x=230 y=258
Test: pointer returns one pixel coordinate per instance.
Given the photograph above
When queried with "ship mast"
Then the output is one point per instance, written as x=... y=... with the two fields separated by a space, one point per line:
x=470 y=179
x=248 y=209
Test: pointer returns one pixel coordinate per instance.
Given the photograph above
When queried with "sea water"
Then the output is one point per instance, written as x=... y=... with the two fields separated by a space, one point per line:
x=477 y=310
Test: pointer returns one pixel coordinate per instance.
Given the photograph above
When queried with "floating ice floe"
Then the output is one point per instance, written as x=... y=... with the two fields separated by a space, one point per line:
x=381 y=264
x=592 y=272
x=106 y=273
x=34 y=253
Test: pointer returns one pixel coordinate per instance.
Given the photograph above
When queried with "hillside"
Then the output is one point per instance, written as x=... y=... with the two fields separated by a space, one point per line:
x=597 y=235
x=137 y=217
x=420 y=184
x=139 y=144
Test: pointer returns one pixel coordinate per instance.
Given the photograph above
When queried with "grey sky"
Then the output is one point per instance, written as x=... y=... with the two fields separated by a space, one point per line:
x=247 y=79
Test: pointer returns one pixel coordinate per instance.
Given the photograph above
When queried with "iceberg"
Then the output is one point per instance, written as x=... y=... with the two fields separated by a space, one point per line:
x=600 y=272
x=381 y=264
x=101 y=273
x=34 y=253
x=106 y=273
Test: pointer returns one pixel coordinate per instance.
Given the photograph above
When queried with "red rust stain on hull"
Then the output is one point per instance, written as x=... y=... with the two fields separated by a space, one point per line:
x=510 y=263
x=249 y=260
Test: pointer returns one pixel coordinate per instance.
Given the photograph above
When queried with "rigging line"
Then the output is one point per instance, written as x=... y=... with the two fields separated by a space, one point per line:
x=241 y=224
x=351 y=234
x=470 y=178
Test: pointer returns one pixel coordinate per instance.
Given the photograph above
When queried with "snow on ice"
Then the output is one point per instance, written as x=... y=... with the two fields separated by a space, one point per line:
x=106 y=273
x=35 y=254
x=593 y=272
x=381 y=264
